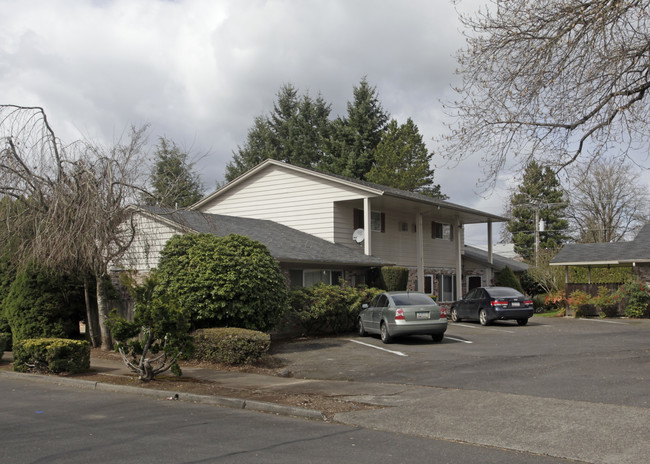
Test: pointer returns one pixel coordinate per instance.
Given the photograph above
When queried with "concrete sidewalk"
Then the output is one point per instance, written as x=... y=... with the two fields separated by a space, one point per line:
x=578 y=430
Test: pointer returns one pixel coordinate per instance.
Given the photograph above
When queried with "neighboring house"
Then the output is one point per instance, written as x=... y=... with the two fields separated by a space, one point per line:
x=634 y=254
x=321 y=227
x=476 y=264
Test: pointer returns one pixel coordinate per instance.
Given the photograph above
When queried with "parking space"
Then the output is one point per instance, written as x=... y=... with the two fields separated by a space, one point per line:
x=602 y=360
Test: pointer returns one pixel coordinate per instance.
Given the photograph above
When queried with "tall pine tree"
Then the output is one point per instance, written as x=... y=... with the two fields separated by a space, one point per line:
x=173 y=181
x=402 y=160
x=540 y=195
x=356 y=136
x=295 y=132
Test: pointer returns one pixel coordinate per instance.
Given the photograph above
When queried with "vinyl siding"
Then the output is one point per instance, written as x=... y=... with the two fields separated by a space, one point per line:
x=144 y=253
x=394 y=245
x=293 y=199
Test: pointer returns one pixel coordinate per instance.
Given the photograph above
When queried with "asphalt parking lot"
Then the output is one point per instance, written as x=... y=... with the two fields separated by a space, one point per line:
x=594 y=360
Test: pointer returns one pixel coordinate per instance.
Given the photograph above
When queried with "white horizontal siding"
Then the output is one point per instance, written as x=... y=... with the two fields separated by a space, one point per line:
x=394 y=245
x=144 y=253
x=287 y=197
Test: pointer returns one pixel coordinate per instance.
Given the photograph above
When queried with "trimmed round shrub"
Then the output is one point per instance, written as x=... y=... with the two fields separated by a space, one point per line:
x=51 y=355
x=43 y=303
x=395 y=278
x=230 y=345
x=226 y=281
x=507 y=278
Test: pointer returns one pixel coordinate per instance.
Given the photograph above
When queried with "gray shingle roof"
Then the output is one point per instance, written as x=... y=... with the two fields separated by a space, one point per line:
x=637 y=250
x=498 y=262
x=285 y=244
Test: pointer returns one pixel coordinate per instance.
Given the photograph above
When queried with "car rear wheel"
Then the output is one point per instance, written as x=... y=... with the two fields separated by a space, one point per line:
x=522 y=321
x=483 y=317
x=454 y=315
x=437 y=337
x=385 y=336
x=362 y=330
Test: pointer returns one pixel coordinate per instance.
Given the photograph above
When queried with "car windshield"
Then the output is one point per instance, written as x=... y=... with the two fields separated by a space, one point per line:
x=411 y=299
x=504 y=292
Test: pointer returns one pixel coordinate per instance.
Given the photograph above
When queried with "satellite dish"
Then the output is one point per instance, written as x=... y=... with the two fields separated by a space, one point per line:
x=358 y=235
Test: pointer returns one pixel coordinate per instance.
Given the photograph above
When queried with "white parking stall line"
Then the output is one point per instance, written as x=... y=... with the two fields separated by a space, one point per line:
x=602 y=320
x=482 y=327
x=398 y=353
x=458 y=339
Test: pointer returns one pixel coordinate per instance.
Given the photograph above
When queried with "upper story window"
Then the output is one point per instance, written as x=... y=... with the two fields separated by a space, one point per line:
x=377 y=220
x=443 y=231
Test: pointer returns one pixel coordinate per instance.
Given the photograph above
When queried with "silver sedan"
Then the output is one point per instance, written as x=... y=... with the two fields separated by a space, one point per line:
x=393 y=314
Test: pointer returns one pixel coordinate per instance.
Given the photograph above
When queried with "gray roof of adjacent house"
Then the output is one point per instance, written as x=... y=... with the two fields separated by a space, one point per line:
x=285 y=244
x=602 y=254
x=498 y=262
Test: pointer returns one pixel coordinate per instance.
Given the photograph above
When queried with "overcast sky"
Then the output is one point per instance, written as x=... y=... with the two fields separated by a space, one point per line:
x=199 y=71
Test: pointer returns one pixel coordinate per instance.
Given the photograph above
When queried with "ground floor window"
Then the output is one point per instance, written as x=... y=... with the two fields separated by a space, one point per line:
x=310 y=277
x=447 y=287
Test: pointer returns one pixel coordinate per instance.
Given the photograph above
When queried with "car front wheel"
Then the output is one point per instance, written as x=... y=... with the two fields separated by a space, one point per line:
x=483 y=317
x=385 y=336
x=454 y=315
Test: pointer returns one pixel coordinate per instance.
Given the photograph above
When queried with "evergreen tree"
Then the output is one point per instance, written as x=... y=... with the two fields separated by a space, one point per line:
x=295 y=132
x=355 y=137
x=539 y=193
x=173 y=181
x=402 y=160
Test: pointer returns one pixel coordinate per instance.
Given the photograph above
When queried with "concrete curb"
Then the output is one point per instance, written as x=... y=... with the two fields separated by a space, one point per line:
x=222 y=401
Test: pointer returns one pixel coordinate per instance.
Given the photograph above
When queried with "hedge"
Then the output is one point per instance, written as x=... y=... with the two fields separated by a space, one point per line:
x=230 y=345
x=51 y=355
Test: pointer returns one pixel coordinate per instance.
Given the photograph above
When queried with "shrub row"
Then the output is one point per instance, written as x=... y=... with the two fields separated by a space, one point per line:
x=230 y=345
x=633 y=298
x=51 y=355
x=328 y=309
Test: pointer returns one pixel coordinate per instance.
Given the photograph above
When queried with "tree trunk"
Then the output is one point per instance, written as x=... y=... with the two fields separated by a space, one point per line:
x=91 y=317
x=103 y=310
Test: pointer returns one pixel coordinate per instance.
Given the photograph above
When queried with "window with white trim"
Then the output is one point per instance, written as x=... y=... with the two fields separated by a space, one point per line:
x=446 y=287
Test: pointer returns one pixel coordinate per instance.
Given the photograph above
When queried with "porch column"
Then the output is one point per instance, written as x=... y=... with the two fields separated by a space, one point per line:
x=459 y=259
x=489 y=234
x=367 y=245
x=566 y=291
x=420 y=251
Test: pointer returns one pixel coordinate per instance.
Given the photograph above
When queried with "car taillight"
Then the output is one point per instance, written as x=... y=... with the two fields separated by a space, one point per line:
x=499 y=303
x=443 y=313
x=399 y=315
x=528 y=302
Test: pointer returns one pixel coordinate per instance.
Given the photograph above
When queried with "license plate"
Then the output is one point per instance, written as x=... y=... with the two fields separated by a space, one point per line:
x=515 y=304
x=423 y=315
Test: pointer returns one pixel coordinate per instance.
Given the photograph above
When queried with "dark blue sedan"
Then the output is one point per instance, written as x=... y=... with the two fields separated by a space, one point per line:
x=488 y=304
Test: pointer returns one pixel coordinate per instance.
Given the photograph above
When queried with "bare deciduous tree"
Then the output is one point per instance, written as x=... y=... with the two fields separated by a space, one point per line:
x=557 y=80
x=607 y=201
x=73 y=198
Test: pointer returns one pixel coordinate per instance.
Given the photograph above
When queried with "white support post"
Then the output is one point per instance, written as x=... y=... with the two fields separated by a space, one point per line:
x=367 y=242
x=420 y=251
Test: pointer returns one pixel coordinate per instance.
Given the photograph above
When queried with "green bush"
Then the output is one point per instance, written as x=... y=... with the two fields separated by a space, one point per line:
x=43 y=303
x=230 y=345
x=507 y=278
x=159 y=333
x=580 y=303
x=539 y=303
x=394 y=278
x=223 y=281
x=51 y=355
x=606 y=302
x=328 y=309
x=636 y=298
x=5 y=339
